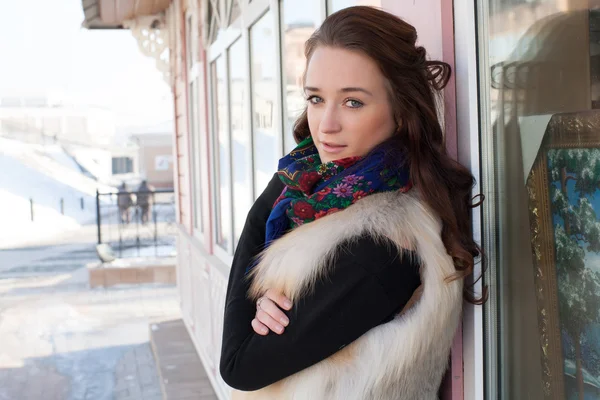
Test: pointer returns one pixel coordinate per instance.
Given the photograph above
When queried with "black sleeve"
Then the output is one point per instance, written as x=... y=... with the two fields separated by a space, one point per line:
x=239 y=311
x=368 y=284
x=252 y=240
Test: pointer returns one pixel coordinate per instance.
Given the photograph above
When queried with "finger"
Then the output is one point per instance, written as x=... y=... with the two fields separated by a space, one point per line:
x=259 y=327
x=274 y=312
x=279 y=298
x=266 y=319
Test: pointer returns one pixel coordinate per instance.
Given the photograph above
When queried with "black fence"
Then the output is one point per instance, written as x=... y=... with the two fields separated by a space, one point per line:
x=137 y=224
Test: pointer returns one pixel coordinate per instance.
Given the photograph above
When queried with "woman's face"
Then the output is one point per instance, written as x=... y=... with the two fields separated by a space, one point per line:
x=349 y=110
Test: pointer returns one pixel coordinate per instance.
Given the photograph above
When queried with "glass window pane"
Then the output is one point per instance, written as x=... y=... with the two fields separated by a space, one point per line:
x=240 y=136
x=264 y=95
x=235 y=11
x=223 y=170
x=189 y=42
x=543 y=98
x=337 y=5
x=299 y=22
x=195 y=146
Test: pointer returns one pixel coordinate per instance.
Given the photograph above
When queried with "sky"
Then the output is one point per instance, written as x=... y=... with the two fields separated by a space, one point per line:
x=44 y=50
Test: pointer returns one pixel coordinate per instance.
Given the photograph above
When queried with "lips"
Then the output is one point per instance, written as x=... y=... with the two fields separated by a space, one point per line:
x=332 y=147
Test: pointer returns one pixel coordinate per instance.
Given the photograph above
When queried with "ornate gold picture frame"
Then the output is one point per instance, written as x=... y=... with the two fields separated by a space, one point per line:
x=564 y=204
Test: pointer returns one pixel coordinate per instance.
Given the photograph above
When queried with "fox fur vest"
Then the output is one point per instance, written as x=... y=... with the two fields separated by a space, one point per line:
x=404 y=359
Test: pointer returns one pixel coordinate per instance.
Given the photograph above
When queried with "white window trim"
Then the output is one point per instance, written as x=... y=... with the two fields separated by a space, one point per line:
x=194 y=73
x=197 y=172
x=223 y=254
x=245 y=41
x=467 y=118
x=239 y=30
x=279 y=99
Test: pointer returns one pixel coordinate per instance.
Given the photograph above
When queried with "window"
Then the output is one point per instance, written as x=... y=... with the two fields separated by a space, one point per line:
x=222 y=153
x=267 y=143
x=539 y=91
x=235 y=11
x=122 y=165
x=189 y=42
x=194 y=121
x=248 y=82
x=337 y=5
x=299 y=22
x=240 y=136
x=194 y=127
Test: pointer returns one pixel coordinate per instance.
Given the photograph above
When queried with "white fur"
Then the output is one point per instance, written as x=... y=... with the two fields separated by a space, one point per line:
x=401 y=360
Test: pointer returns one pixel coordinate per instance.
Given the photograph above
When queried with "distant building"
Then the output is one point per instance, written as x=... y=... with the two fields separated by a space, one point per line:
x=89 y=135
x=43 y=119
x=155 y=158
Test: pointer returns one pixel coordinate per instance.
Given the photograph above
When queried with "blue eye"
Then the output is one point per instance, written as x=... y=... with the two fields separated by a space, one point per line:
x=354 y=104
x=314 y=99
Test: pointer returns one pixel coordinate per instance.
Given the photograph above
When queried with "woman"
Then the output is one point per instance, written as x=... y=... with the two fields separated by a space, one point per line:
x=347 y=281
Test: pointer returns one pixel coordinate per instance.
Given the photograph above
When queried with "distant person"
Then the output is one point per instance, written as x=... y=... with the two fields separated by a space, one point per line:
x=143 y=200
x=124 y=202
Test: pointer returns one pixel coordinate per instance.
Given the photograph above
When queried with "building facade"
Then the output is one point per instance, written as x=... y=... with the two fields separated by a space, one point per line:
x=156 y=160
x=45 y=119
x=155 y=156
x=519 y=112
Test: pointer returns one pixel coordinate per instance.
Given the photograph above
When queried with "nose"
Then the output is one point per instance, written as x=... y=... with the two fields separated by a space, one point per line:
x=330 y=122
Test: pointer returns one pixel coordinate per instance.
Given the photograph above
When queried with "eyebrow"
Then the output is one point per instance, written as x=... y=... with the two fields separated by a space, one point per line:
x=343 y=90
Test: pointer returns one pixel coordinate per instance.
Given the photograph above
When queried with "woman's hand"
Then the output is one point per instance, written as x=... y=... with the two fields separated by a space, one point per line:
x=268 y=313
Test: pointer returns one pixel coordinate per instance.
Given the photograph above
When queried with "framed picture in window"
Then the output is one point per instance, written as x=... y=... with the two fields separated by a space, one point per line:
x=564 y=207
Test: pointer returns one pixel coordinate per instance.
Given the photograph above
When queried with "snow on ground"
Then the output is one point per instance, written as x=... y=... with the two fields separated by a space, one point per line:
x=63 y=198
x=58 y=154
x=16 y=225
x=43 y=160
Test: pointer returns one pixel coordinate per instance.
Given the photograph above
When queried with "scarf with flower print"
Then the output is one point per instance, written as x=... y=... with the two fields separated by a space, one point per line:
x=314 y=190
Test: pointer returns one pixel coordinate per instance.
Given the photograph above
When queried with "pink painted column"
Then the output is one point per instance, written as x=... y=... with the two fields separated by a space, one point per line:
x=434 y=21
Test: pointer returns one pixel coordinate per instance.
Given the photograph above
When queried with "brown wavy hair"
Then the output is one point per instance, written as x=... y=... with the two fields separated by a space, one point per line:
x=413 y=83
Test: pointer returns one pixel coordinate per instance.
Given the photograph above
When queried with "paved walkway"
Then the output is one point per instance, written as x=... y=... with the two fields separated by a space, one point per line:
x=60 y=340
x=181 y=372
x=136 y=375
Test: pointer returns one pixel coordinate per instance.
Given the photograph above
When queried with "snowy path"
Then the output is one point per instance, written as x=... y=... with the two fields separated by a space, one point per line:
x=63 y=341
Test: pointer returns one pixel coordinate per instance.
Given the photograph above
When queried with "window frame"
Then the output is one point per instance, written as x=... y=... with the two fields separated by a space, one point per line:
x=278 y=125
x=122 y=161
x=472 y=153
x=226 y=255
x=288 y=139
x=194 y=75
x=239 y=29
x=244 y=40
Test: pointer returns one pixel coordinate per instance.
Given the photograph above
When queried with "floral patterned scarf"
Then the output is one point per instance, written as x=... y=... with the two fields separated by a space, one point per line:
x=314 y=190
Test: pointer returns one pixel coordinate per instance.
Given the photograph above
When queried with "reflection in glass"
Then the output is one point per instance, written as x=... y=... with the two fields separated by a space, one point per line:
x=223 y=170
x=299 y=22
x=240 y=136
x=542 y=89
x=264 y=97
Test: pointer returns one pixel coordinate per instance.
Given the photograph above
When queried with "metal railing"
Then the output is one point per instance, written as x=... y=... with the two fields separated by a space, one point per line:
x=137 y=224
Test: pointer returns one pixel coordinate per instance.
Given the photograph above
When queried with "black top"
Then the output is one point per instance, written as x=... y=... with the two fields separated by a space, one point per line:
x=368 y=285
